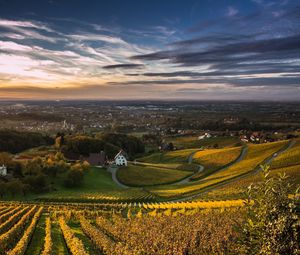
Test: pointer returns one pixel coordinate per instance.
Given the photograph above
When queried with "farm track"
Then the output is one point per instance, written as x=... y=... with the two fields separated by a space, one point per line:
x=255 y=171
x=201 y=168
x=113 y=170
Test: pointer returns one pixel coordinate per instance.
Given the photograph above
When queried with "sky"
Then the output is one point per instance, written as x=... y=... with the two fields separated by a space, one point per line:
x=165 y=50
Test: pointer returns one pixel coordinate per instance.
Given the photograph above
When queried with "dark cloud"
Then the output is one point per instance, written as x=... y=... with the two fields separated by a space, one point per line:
x=295 y=70
x=125 y=66
x=229 y=52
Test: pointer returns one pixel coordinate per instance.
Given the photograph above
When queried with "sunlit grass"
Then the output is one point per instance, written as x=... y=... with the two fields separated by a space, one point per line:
x=256 y=155
x=141 y=175
x=214 y=159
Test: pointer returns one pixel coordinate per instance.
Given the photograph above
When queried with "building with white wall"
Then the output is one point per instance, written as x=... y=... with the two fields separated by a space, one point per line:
x=120 y=159
x=3 y=170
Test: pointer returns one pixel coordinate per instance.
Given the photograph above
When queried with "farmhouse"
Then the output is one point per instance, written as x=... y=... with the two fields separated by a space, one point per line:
x=96 y=159
x=206 y=135
x=120 y=159
x=3 y=170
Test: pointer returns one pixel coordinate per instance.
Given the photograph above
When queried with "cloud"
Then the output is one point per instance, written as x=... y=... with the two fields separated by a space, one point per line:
x=25 y=24
x=231 y=11
x=126 y=66
x=96 y=37
x=233 y=53
x=12 y=46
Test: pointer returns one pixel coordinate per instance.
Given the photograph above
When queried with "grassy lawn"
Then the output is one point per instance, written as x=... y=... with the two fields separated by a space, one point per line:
x=214 y=159
x=145 y=175
x=96 y=180
x=193 y=142
x=256 y=155
x=59 y=244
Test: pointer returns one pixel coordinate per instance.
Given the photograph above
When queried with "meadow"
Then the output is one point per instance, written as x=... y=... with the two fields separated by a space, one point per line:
x=147 y=175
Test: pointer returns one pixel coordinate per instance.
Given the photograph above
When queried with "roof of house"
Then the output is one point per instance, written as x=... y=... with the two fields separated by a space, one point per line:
x=121 y=153
x=96 y=158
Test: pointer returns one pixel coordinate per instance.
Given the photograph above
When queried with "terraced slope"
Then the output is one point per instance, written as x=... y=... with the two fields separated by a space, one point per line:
x=249 y=165
x=214 y=159
x=237 y=189
x=289 y=158
x=288 y=162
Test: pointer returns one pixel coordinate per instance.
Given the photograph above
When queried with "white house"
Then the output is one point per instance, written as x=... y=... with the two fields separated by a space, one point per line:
x=3 y=170
x=206 y=135
x=120 y=159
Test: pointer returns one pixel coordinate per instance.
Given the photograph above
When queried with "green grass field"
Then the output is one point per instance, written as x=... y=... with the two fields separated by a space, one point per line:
x=97 y=185
x=214 y=159
x=256 y=155
x=147 y=175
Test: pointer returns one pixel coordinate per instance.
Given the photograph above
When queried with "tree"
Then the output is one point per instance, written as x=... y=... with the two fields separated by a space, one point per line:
x=38 y=183
x=3 y=189
x=272 y=225
x=5 y=159
x=74 y=178
x=15 y=187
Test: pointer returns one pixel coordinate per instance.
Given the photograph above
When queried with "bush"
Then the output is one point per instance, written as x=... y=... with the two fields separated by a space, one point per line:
x=272 y=225
x=74 y=178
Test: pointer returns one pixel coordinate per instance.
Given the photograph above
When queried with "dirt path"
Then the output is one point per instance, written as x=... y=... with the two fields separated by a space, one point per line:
x=113 y=170
x=201 y=168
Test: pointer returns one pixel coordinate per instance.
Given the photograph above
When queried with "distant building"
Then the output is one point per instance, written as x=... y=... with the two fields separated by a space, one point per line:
x=206 y=135
x=96 y=159
x=3 y=170
x=120 y=159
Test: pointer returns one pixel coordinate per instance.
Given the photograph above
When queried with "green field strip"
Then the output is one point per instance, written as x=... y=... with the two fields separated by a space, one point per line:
x=88 y=245
x=36 y=244
x=59 y=245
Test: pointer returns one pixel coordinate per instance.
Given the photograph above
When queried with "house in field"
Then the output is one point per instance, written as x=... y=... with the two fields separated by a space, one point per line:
x=96 y=159
x=120 y=159
x=3 y=170
x=206 y=135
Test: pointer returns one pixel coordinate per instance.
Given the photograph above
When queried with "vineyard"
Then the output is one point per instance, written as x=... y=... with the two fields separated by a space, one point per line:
x=171 y=228
x=286 y=163
x=255 y=156
x=215 y=159
x=102 y=218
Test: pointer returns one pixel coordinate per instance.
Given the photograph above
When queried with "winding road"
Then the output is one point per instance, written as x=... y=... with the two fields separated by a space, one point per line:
x=267 y=161
x=201 y=168
x=113 y=170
